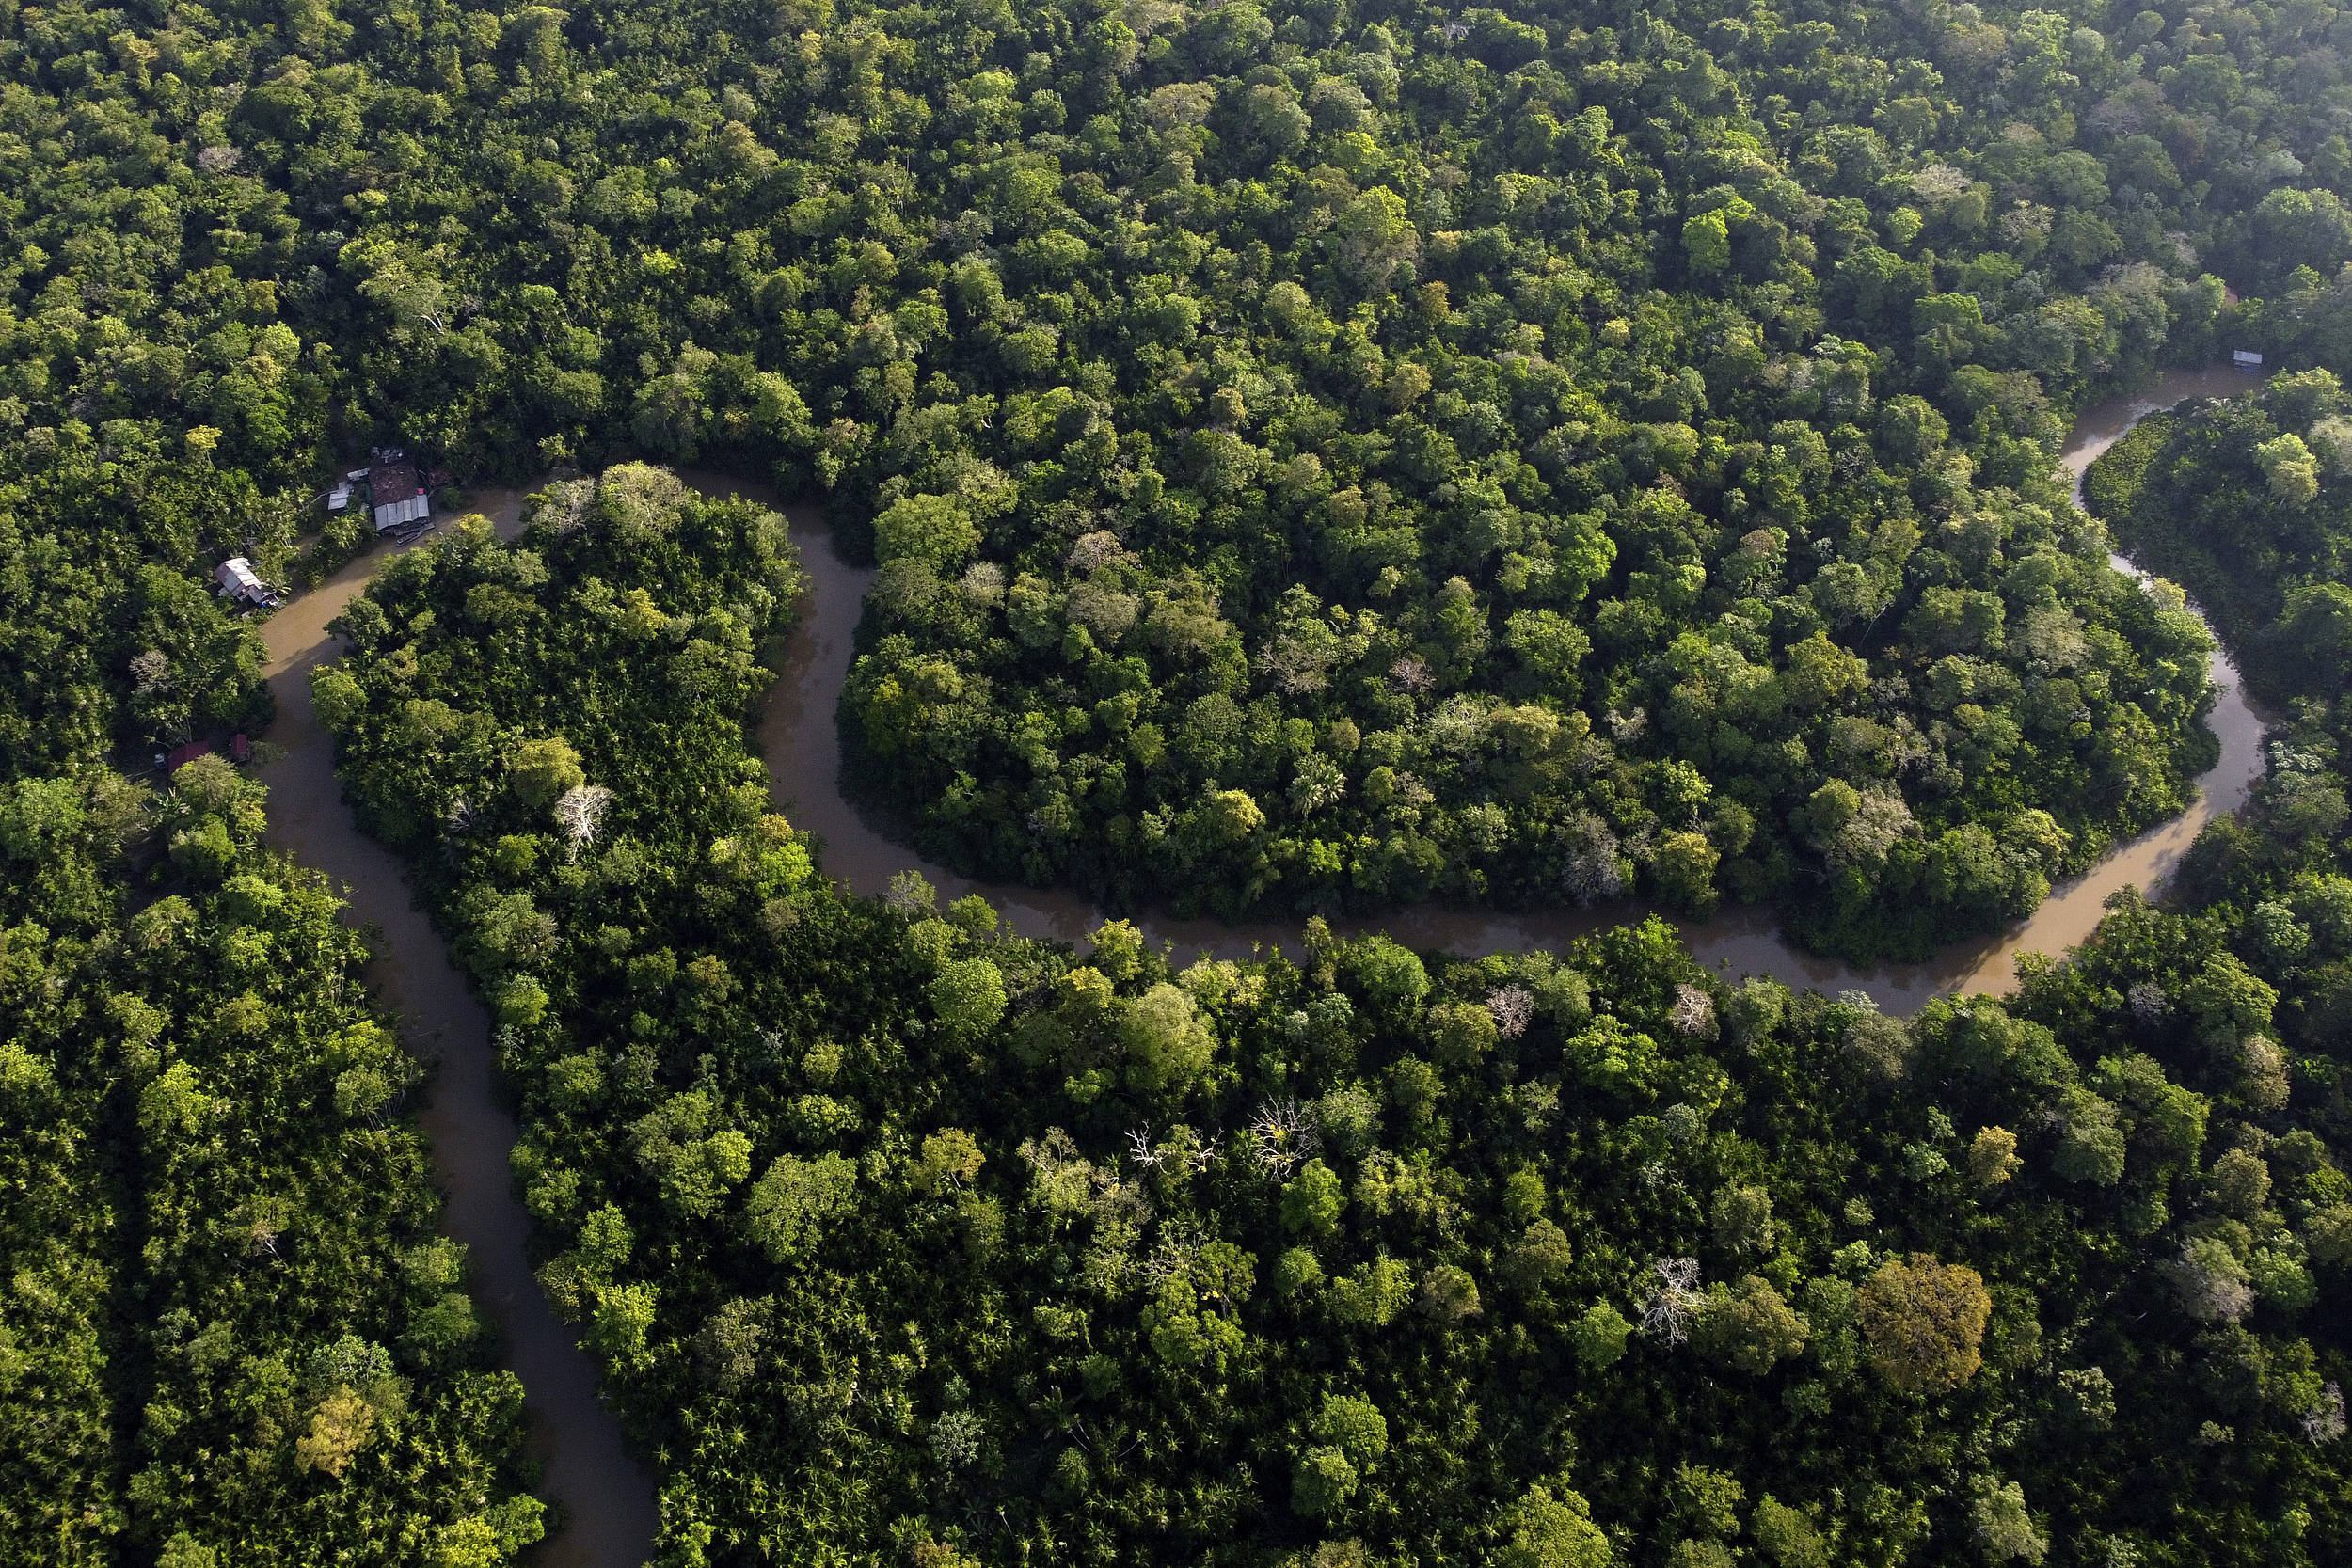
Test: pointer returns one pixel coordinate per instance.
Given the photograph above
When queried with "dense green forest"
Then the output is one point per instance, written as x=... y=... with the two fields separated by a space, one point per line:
x=109 y=641
x=229 y=1333
x=1315 y=455
x=902 y=1237
x=2245 y=502
x=1323 y=453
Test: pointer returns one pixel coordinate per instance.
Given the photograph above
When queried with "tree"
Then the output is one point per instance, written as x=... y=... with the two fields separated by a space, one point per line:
x=579 y=812
x=2090 y=1142
x=789 y=1207
x=338 y=698
x=1164 y=1043
x=1747 y=1327
x=1706 y=1500
x=1448 y=1294
x=950 y=1159
x=1925 y=1323
x=1464 y=1032
x=1390 y=978
x=1311 y=1201
x=693 y=1160
x=1372 y=1294
x=520 y=1001
x=624 y=1317
x=175 y=1105
x=2003 y=1526
x=2211 y=1279
x=339 y=1428
x=544 y=769
x=1685 y=869
x=1552 y=1528
x=1541 y=1257
x=936 y=530
x=2240 y=1182
x=1707 y=242
x=1788 y=1536
x=2289 y=469
x=1348 y=1436
x=1600 y=1335
x=1993 y=1156
x=1742 y=1219
x=968 y=996
x=1880 y=1045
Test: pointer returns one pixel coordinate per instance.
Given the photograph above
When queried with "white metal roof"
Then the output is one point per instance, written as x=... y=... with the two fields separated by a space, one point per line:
x=407 y=509
x=236 y=576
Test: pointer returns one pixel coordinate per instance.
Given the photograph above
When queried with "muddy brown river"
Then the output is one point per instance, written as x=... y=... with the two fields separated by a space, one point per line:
x=606 y=1494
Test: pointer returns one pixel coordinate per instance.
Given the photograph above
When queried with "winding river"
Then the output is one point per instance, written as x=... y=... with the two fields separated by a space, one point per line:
x=797 y=736
x=606 y=1494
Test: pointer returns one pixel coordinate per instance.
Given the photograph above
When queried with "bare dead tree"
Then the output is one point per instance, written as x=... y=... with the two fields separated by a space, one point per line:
x=1667 y=1314
x=1281 y=1134
x=1139 y=1149
x=1694 y=1011
x=1513 y=1009
x=150 y=670
x=579 y=812
x=2325 y=1422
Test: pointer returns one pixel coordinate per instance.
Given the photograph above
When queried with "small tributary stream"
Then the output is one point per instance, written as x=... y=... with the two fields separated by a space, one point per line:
x=606 y=1494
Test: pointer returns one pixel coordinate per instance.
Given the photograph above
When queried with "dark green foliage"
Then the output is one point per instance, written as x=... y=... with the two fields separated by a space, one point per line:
x=1428 y=520
x=1315 y=455
x=2248 y=502
x=231 y=1328
x=105 y=640
x=1363 y=1273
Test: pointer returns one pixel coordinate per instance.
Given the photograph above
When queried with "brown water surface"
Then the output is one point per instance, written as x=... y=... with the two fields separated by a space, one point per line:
x=798 y=739
x=604 y=1495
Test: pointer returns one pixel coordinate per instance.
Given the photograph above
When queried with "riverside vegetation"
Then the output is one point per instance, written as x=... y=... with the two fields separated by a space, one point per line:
x=897 y=1235
x=230 y=1332
x=1317 y=453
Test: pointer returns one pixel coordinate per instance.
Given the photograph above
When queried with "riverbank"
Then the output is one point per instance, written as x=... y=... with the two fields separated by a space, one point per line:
x=802 y=752
x=603 y=1494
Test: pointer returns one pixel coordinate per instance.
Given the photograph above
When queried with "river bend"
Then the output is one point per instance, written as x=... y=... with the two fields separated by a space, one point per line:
x=606 y=1495
x=803 y=751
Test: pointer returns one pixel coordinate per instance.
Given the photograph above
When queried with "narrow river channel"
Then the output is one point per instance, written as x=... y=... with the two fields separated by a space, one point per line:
x=606 y=1494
